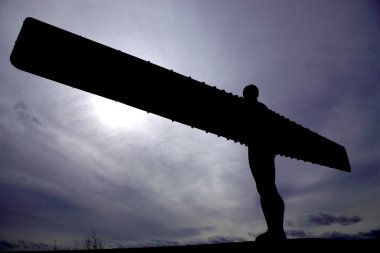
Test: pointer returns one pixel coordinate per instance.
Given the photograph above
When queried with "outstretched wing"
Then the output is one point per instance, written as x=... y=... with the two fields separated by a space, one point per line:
x=64 y=57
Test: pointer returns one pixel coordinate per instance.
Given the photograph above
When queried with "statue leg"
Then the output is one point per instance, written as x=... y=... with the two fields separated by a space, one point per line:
x=263 y=169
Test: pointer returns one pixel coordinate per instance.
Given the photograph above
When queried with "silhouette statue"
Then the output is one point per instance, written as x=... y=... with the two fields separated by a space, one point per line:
x=73 y=60
x=67 y=58
x=261 y=155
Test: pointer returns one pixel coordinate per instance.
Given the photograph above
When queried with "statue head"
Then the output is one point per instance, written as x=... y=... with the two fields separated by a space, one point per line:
x=251 y=92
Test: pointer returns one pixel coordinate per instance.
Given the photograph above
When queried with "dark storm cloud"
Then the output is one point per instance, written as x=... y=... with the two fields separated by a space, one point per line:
x=298 y=234
x=339 y=236
x=324 y=219
x=373 y=234
x=224 y=239
x=22 y=245
x=336 y=235
x=7 y=246
x=149 y=243
x=296 y=227
x=370 y=235
x=44 y=208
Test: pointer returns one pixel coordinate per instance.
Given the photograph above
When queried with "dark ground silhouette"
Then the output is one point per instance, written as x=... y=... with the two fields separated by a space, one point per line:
x=292 y=245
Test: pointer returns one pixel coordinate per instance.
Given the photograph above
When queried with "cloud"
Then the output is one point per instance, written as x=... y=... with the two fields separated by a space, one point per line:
x=25 y=114
x=22 y=245
x=7 y=246
x=373 y=234
x=370 y=235
x=224 y=239
x=149 y=243
x=298 y=234
x=336 y=235
x=324 y=219
x=162 y=243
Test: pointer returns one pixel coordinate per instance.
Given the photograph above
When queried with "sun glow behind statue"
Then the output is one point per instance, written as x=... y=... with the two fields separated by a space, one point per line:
x=117 y=115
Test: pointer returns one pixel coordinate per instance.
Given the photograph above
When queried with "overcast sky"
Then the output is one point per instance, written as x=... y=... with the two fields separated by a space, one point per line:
x=72 y=162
